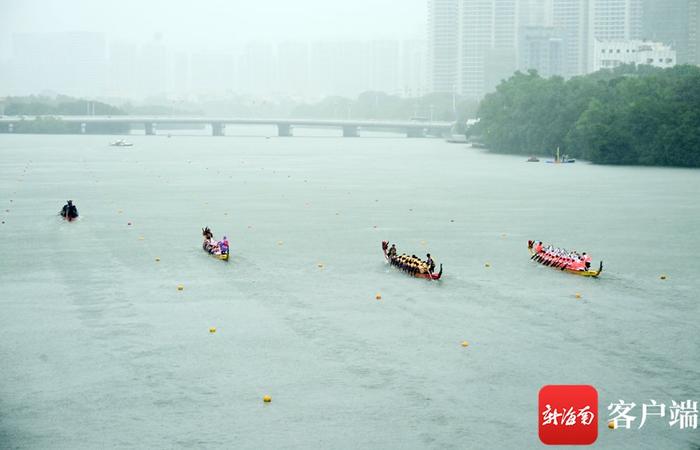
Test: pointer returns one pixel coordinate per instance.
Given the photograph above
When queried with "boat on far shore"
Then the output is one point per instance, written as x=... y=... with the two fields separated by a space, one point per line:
x=457 y=139
x=564 y=159
x=533 y=159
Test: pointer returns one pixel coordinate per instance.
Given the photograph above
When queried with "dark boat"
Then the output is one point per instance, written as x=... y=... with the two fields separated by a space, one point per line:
x=393 y=262
x=69 y=212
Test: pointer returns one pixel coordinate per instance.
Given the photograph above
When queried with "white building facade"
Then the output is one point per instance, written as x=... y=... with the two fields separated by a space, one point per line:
x=443 y=33
x=608 y=54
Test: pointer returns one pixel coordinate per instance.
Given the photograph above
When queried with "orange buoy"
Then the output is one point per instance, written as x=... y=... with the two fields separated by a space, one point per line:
x=378 y=296
x=267 y=399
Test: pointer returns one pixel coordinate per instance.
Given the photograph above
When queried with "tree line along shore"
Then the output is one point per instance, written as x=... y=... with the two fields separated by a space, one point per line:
x=631 y=115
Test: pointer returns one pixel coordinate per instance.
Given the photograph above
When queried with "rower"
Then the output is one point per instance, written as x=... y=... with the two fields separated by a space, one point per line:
x=392 y=251
x=586 y=260
x=223 y=245
x=430 y=263
x=69 y=210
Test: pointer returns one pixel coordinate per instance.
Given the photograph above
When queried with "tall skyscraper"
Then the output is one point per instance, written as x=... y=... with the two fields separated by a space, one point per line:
x=384 y=66
x=570 y=19
x=487 y=44
x=541 y=49
x=442 y=45
x=122 y=73
x=293 y=68
x=153 y=69
x=693 y=54
x=615 y=19
x=669 y=21
x=535 y=13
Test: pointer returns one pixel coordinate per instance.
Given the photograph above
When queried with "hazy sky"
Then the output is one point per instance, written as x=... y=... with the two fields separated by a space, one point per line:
x=192 y=24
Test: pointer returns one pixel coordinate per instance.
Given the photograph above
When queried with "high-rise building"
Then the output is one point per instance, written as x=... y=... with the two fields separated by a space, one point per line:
x=122 y=74
x=256 y=68
x=383 y=66
x=541 y=49
x=181 y=76
x=153 y=75
x=293 y=68
x=693 y=55
x=671 y=22
x=443 y=40
x=535 y=13
x=615 y=19
x=570 y=19
x=488 y=40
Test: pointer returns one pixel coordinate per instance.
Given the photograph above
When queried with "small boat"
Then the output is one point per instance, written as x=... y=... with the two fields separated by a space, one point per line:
x=582 y=273
x=560 y=159
x=121 y=143
x=393 y=262
x=533 y=159
x=69 y=212
x=219 y=250
x=457 y=139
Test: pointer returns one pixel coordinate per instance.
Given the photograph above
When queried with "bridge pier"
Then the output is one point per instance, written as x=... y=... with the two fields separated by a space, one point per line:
x=351 y=131
x=83 y=127
x=11 y=128
x=437 y=132
x=150 y=128
x=217 y=129
x=415 y=132
x=284 y=130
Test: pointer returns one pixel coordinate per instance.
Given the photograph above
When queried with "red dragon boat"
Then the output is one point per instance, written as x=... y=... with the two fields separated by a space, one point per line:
x=565 y=268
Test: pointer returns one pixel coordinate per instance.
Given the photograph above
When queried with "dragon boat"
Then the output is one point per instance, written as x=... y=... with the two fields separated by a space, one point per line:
x=581 y=273
x=418 y=274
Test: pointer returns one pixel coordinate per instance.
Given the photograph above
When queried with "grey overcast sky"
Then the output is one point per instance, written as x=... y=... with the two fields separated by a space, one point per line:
x=217 y=23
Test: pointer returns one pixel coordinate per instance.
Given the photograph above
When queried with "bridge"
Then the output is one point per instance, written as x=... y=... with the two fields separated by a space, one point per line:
x=350 y=128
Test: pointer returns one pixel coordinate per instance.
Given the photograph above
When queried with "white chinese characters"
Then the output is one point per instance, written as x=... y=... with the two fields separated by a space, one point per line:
x=683 y=414
x=567 y=416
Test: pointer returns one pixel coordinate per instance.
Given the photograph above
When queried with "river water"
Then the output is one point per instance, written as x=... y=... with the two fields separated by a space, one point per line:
x=99 y=348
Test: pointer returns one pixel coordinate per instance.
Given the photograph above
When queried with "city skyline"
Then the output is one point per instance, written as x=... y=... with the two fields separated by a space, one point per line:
x=462 y=47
